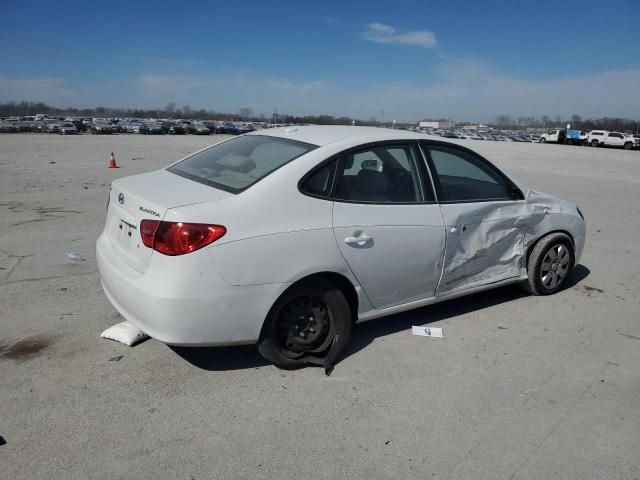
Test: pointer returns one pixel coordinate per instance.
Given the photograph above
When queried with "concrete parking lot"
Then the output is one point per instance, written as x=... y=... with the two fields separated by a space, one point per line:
x=519 y=387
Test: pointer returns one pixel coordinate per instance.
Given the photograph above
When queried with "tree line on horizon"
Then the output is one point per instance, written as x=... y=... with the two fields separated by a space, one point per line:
x=27 y=108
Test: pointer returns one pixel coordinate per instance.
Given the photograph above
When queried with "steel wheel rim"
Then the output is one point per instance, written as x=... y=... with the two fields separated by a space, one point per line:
x=304 y=325
x=555 y=266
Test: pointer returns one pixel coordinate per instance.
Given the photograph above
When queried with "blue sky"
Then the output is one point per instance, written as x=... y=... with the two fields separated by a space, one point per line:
x=462 y=60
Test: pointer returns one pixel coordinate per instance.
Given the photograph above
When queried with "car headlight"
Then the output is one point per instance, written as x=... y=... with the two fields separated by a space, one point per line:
x=580 y=213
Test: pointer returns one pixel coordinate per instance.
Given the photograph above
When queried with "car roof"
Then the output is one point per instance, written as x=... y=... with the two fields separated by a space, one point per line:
x=322 y=135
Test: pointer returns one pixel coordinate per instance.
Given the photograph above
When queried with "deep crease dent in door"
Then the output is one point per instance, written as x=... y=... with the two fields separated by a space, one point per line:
x=488 y=244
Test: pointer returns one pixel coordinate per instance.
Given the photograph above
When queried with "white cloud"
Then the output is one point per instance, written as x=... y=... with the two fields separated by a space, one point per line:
x=471 y=90
x=227 y=91
x=288 y=85
x=160 y=61
x=34 y=89
x=168 y=84
x=381 y=28
x=381 y=33
x=461 y=90
x=330 y=20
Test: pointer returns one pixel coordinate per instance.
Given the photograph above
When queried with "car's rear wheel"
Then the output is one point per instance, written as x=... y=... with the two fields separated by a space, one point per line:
x=543 y=140
x=550 y=264
x=305 y=324
x=594 y=143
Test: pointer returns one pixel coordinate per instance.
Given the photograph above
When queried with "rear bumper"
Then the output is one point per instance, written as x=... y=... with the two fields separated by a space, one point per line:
x=183 y=300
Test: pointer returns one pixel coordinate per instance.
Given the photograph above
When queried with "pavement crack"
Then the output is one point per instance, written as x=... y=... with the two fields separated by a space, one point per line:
x=52 y=277
x=631 y=337
x=13 y=257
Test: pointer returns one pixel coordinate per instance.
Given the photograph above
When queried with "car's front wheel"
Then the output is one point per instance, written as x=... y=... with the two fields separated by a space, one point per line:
x=307 y=323
x=550 y=264
x=594 y=143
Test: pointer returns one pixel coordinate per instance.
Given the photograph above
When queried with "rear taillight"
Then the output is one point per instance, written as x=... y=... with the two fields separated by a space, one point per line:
x=177 y=238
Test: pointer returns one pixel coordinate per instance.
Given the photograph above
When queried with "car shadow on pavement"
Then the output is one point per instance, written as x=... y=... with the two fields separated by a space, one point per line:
x=365 y=333
x=222 y=358
x=247 y=356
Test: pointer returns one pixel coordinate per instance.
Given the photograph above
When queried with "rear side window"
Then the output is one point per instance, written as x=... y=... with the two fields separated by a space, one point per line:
x=463 y=177
x=320 y=182
x=382 y=174
x=239 y=163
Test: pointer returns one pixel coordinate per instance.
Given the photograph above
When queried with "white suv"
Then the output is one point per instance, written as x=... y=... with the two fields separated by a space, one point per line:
x=599 y=138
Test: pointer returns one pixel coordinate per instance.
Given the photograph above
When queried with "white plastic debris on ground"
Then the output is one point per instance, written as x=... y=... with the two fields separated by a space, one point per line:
x=125 y=333
x=427 y=331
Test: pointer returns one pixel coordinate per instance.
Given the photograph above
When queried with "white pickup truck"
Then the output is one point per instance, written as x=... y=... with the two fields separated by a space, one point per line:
x=556 y=136
x=567 y=137
x=601 y=138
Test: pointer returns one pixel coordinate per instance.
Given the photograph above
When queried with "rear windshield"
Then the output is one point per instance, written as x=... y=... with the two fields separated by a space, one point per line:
x=239 y=163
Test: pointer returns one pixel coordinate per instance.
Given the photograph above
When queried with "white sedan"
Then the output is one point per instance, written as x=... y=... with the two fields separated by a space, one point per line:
x=286 y=237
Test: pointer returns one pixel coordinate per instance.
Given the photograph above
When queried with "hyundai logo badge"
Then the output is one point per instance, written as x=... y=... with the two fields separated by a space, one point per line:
x=121 y=198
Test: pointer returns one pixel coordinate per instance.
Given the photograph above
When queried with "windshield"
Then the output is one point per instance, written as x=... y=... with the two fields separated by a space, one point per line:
x=239 y=163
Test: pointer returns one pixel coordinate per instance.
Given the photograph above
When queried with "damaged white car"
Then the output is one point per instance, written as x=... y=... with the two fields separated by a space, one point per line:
x=287 y=237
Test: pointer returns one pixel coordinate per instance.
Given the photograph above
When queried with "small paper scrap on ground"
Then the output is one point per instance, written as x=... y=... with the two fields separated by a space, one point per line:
x=125 y=333
x=427 y=331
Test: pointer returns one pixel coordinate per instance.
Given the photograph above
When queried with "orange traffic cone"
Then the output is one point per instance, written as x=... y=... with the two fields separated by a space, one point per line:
x=112 y=161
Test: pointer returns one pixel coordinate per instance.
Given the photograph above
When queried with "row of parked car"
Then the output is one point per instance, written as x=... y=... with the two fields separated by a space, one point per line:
x=493 y=135
x=594 y=138
x=106 y=126
x=63 y=127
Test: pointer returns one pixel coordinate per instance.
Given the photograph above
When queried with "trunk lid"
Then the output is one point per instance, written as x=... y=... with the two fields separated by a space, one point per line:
x=149 y=196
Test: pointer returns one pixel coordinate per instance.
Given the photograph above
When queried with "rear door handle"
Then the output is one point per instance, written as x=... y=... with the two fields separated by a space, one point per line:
x=361 y=240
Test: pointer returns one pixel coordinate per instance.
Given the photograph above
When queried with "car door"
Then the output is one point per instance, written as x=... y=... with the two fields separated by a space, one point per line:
x=485 y=216
x=615 y=139
x=387 y=223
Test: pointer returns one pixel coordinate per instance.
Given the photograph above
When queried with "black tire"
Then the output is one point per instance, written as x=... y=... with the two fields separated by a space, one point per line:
x=628 y=146
x=594 y=143
x=543 y=140
x=557 y=271
x=327 y=308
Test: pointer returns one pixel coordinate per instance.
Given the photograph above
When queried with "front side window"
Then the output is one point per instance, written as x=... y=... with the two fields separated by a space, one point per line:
x=463 y=177
x=382 y=174
x=239 y=163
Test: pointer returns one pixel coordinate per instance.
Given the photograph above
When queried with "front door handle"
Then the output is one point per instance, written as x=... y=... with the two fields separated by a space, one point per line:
x=360 y=240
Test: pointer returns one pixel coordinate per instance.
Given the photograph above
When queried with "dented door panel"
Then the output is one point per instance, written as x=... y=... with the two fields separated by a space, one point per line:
x=485 y=242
